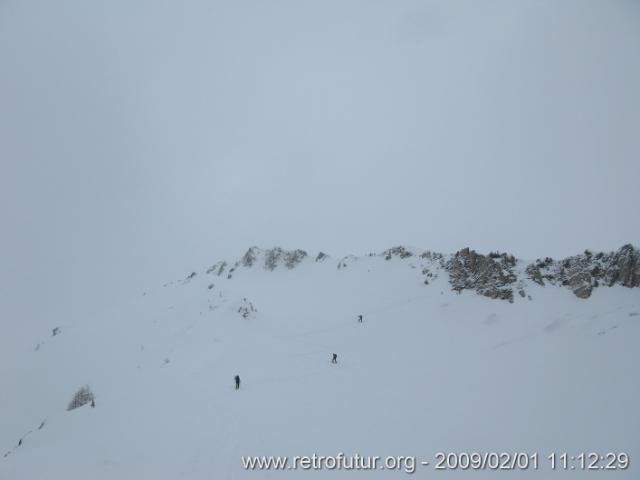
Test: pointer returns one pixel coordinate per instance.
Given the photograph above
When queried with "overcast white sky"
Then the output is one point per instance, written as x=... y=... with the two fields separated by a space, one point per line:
x=140 y=140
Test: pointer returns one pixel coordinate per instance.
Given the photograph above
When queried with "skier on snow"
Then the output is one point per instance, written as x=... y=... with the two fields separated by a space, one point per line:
x=237 y=379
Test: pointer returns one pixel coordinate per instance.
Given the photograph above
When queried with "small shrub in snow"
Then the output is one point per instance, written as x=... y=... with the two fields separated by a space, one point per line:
x=81 y=397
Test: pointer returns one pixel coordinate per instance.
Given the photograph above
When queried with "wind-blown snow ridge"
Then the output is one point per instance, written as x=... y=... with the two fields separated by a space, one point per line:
x=494 y=275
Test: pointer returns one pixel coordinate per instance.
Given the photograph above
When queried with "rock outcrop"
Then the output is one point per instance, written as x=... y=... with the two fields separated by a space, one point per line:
x=271 y=259
x=288 y=258
x=398 y=251
x=321 y=257
x=582 y=273
x=250 y=257
x=218 y=268
x=490 y=275
x=347 y=260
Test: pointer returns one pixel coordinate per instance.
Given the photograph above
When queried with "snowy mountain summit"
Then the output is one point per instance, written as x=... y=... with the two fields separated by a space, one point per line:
x=405 y=353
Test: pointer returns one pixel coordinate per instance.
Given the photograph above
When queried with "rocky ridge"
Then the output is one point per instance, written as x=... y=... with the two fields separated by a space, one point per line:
x=495 y=275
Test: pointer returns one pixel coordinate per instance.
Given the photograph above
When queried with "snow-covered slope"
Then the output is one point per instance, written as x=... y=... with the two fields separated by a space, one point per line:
x=434 y=367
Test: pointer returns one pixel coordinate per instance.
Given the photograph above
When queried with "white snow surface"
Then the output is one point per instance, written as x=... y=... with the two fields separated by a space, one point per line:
x=427 y=371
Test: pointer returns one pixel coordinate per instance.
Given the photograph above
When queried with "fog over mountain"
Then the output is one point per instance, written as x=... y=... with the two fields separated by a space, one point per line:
x=137 y=139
